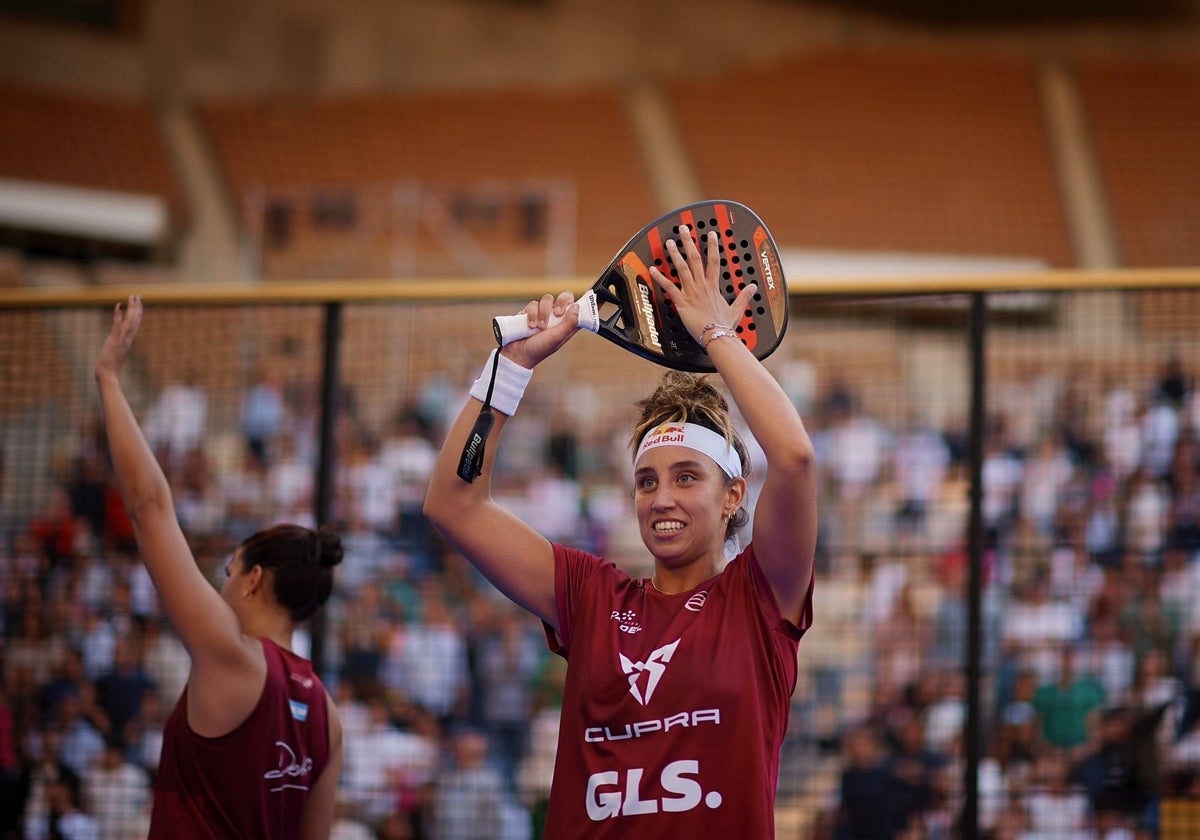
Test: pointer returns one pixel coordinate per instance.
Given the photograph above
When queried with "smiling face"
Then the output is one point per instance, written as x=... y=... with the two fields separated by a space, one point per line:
x=682 y=500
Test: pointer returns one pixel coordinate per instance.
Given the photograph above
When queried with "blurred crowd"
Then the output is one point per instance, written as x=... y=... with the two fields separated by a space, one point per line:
x=1090 y=661
x=449 y=697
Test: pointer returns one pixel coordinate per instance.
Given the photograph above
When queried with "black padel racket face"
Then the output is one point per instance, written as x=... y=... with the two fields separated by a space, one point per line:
x=636 y=314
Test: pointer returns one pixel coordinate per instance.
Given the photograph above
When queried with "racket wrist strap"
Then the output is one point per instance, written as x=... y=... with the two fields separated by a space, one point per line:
x=501 y=383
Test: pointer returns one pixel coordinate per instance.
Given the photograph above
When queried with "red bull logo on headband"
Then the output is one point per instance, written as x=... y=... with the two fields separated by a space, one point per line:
x=695 y=437
x=665 y=433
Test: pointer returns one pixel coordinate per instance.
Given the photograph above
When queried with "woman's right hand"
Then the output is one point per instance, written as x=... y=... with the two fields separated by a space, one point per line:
x=127 y=317
x=528 y=352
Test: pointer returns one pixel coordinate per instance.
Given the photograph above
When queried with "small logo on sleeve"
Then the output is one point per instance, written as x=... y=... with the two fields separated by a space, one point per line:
x=299 y=710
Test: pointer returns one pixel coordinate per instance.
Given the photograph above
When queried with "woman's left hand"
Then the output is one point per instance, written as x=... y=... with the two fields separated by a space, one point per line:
x=127 y=318
x=698 y=300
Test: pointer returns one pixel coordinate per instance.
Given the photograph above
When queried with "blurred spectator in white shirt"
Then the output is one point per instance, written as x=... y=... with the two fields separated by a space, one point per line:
x=1160 y=432
x=386 y=767
x=1146 y=516
x=1122 y=434
x=290 y=483
x=1057 y=809
x=426 y=658
x=1046 y=475
x=920 y=460
x=1036 y=628
x=117 y=794
x=177 y=421
x=262 y=414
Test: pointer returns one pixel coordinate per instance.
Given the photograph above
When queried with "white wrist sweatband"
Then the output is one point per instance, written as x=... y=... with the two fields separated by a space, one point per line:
x=511 y=380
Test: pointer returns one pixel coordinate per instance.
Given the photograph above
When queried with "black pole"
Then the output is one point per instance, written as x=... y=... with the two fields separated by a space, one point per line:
x=975 y=548
x=331 y=351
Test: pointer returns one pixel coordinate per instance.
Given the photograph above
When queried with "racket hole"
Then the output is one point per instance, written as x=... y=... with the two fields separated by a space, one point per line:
x=724 y=275
x=729 y=233
x=700 y=225
x=760 y=310
x=729 y=290
x=734 y=259
x=745 y=244
x=749 y=269
x=738 y=273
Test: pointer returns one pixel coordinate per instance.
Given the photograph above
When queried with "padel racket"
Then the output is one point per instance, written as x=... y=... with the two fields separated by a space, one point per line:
x=628 y=308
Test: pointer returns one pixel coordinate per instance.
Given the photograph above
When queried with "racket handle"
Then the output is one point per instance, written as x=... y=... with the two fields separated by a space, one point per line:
x=510 y=328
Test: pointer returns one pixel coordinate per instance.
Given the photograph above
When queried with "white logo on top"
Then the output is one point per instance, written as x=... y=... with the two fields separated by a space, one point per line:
x=627 y=621
x=304 y=681
x=289 y=769
x=655 y=666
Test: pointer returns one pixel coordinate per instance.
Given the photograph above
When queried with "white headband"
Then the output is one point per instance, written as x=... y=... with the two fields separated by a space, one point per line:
x=702 y=440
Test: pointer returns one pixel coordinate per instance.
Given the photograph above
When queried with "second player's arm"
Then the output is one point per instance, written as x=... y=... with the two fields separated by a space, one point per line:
x=206 y=625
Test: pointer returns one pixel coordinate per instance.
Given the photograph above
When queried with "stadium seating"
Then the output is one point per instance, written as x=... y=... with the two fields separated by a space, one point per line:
x=1146 y=129
x=373 y=151
x=887 y=152
x=89 y=141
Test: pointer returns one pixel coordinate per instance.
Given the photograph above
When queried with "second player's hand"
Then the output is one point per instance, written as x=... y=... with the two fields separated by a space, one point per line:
x=127 y=317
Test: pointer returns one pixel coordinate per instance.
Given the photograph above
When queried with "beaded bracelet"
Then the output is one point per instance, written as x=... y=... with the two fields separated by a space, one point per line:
x=718 y=331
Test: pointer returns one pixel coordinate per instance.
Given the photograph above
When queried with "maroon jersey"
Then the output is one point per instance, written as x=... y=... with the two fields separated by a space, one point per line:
x=675 y=706
x=253 y=782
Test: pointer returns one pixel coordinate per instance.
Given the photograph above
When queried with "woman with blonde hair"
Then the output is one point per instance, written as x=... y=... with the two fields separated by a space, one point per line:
x=678 y=685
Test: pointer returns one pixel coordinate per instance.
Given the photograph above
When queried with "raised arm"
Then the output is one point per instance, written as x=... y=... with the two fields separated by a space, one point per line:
x=205 y=623
x=785 y=516
x=517 y=559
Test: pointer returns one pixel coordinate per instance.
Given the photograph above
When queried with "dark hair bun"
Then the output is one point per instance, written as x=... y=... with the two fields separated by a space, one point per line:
x=331 y=546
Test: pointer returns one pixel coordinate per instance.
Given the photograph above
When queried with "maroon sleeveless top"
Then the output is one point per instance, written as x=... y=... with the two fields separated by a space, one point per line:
x=675 y=706
x=253 y=782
